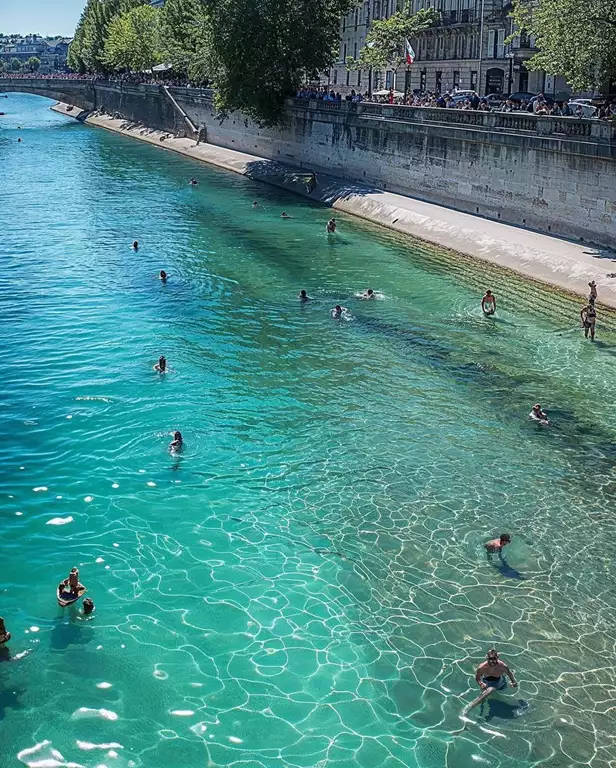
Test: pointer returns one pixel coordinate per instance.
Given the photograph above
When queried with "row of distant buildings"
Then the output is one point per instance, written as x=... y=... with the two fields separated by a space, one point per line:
x=467 y=49
x=51 y=52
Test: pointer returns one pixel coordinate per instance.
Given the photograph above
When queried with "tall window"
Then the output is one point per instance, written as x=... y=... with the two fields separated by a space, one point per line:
x=359 y=78
x=456 y=78
x=344 y=53
x=335 y=76
x=439 y=80
x=422 y=80
x=473 y=81
x=348 y=79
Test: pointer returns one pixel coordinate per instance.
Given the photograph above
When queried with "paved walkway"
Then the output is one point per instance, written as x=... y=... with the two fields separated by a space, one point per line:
x=561 y=263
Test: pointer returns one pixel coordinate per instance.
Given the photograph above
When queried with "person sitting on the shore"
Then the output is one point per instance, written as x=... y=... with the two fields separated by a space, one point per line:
x=330 y=228
x=161 y=365
x=488 y=303
x=496 y=545
x=177 y=443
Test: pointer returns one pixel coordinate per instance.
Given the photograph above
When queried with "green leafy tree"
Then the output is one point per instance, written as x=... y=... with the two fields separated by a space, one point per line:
x=575 y=38
x=33 y=63
x=133 y=40
x=15 y=65
x=185 y=31
x=259 y=51
x=87 y=51
x=385 y=40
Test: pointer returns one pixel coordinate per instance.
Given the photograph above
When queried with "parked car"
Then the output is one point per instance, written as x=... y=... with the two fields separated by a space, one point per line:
x=519 y=96
x=460 y=96
x=494 y=99
x=585 y=105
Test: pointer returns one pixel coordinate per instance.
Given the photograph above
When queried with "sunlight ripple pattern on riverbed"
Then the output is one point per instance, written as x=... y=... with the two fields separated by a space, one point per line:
x=306 y=584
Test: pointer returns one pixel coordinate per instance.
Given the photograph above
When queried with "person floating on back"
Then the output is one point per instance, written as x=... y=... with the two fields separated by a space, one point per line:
x=588 y=316
x=488 y=303
x=161 y=365
x=330 y=227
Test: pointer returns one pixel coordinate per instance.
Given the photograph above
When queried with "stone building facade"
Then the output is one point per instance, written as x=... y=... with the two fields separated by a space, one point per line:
x=466 y=50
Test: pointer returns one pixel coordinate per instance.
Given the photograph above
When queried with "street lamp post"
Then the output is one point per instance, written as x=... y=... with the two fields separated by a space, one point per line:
x=510 y=56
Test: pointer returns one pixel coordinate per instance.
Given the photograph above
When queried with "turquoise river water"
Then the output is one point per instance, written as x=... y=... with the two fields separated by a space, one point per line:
x=306 y=585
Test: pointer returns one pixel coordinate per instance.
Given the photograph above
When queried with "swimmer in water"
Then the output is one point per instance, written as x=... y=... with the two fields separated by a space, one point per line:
x=369 y=294
x=338 y=311
x=538 y=415
x=136 y=245
x=162 y=275
x=330 y=227
x=588 y=316
x=177 y=443
x=285 y=216
x=490 y=674
x=161 y=365
x=193 y=182
x=88 y=606
x=303 y=296
x=255 y=204
x=488 y=303
x=496 y=545
x=5 y=635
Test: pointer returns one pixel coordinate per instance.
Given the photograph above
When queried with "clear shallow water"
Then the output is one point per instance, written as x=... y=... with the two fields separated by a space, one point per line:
x=306 y=585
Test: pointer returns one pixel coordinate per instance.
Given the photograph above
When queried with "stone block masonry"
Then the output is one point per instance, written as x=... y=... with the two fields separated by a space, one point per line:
x=554 y=175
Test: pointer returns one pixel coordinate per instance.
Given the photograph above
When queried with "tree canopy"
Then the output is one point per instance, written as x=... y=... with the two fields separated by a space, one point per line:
x=384 y=45
x=33 y=63
x=261 y=50
x=184 y=29
x=87 y=51
x=133 y=40
x=575 y=38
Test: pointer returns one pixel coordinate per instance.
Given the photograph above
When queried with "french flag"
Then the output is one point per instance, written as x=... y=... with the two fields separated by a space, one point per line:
x=410 y=53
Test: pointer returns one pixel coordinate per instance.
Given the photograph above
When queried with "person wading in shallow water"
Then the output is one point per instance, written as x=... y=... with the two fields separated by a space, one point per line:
x=491 y=673
x=588 y=315
x=488 y=303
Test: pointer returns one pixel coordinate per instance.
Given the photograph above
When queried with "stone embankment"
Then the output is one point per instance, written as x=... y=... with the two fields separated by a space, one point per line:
x=547 y=259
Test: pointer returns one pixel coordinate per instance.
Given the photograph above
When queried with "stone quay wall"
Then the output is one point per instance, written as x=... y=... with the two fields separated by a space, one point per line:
x=552 y=174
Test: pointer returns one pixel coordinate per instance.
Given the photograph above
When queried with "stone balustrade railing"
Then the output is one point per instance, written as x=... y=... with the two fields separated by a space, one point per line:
x=525 y=122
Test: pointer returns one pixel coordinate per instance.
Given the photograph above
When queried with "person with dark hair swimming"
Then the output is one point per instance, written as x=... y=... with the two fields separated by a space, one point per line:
x=5 y=635
x=88 y=606
x=303 y=296
x=161 y=365
x=176 y=445
x=496 y=545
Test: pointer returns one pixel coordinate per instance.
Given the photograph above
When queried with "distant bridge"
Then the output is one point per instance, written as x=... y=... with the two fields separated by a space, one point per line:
x=80 y=93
